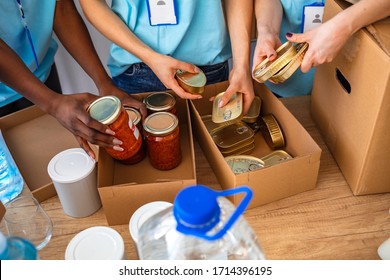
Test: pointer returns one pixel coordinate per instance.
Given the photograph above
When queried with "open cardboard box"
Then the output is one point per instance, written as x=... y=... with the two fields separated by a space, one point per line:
x=33 y=138
x=351 y=105
x=271 y=183
x=125 y=188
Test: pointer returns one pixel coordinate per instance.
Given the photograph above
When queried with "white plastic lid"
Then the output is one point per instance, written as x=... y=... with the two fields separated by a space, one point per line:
x=3 y=242
x=143 y=213
x=70 y=166
x=96 y=243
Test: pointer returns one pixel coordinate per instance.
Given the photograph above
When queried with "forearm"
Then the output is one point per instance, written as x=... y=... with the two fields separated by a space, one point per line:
x=269 y=15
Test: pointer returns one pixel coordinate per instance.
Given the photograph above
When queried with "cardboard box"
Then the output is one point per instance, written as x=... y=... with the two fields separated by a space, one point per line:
x=271 y=183
x=33 y=138
x=351 y=106
x=125 y=188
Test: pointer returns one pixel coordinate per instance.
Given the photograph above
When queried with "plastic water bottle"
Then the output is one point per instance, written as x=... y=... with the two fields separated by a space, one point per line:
x=11 y=181
x=16 y=248
x=201 y=224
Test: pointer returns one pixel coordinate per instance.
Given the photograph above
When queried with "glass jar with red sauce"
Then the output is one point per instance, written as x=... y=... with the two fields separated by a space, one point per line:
x=135 y=117
x=160 y=102
x=109 y=110
x=162 y=135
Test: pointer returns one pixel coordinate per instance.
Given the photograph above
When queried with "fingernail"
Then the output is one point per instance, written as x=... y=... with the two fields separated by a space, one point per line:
x=117 y=148
x=199 y=97
x=289 y=35
x=117 y=141
x=196 y=70
x=220 y=104
x=109 y=131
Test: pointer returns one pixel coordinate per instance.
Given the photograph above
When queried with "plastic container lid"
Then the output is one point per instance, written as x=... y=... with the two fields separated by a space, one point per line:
x=70 y=166
x=142 y=214
x=96 y=243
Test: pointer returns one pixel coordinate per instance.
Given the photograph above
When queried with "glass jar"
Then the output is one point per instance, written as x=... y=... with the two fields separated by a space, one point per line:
x=161 y=131
x=109 y=110
x=135 y=117
x=160 y=102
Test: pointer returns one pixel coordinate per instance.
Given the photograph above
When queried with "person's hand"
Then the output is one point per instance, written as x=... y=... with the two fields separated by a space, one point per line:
x=71 y=111
x=325 y=41
x=266 y=46
x=165 y=69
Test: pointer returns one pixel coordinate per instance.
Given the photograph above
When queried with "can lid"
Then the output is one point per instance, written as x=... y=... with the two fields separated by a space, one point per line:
x=231 y=112
x=70 y=166
x=96 y=243
x=233 y=136
x=134 y=115
x=160 y=101
x=242 y=163
x=106 y=109
x=143 y=213
x=160 y=123
x=191 y=82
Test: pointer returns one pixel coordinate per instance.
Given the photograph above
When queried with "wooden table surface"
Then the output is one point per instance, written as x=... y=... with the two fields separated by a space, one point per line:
x=328 y=222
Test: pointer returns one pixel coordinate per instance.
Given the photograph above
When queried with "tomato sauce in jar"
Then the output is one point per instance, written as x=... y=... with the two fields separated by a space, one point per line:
x=162 y=135
x=109 y=110
x=160 y=102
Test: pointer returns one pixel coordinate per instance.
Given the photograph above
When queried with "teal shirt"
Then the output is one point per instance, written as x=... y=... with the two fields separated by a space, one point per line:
x=299 y=83
x=39 y=16
x=200 y=37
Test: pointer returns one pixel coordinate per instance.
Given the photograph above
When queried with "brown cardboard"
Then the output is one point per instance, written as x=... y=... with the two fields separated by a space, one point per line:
x=125 y=188
x=2 y=211
x=33 y=138
x=271 y=183
x=354 y=120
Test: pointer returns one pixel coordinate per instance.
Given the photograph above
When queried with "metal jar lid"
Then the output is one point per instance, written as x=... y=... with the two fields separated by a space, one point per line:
x=271 y=131
x=231 y=112
x=134 y=115
x=160 y=101
x=266 y=69
x=191 y=82
x=254 y=111
x=106 y=109
x=242 y=163
x=160 y=123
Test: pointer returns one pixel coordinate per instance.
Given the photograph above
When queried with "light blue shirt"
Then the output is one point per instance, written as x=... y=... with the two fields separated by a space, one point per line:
x=200 y=37
x=39 y=16
x=299 y=83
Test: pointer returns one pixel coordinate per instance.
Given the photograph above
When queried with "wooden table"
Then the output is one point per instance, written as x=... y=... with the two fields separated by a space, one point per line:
x=328 y=222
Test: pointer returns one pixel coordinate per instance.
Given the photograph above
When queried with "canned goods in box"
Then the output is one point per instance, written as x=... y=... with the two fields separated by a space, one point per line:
x=271 y=131
x=191 y=82
x=231 y=112
x=254 y=111
x=276 y=157
x=242 y=163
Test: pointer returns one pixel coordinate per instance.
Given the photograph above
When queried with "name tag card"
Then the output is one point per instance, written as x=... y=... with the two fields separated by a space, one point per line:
x=162 y=12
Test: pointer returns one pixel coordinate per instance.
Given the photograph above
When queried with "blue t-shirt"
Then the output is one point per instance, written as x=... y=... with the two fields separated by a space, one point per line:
x=200 y=37
x=299 y=83
x=39 y=17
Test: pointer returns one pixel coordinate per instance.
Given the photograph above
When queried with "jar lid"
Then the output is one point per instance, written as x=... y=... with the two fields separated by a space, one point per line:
x=242 y=163
x=191 y=82
x=134 y=115
x=143 y=213
x=271 y=131
x=70 y=166
x=254 y=111
x=96 y=243
x=106 y=109
x=160 y=101
x=160 y=123
x=231 y=112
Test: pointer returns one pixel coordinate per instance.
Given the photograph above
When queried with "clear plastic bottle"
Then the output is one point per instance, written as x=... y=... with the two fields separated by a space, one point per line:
x=201 y=225
x=11 y=181
x=16 y=248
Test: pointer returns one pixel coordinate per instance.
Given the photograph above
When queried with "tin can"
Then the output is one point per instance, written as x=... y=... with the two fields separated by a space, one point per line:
x=191 y=82
x=109 y=110
x=161 y=131
x=276 y=157
x=254 y=111
x=160 y=102
x=231 y=112
x=242 y=163
x=271 y=131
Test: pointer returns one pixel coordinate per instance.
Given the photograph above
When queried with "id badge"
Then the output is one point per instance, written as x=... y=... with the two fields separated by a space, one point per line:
x=312 y=16
x=162 y=12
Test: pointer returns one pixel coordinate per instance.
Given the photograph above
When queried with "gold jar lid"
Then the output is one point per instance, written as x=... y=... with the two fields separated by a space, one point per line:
x=160 y=123
x=254 y=111
x=266 y=69
x=292 y=66
x=160 y=101
x=276 y=157
x=231 y=112
x=134 y=115
x=191 y=82
x=271 y=131
x=233 y=136
x=105 y=109
x=242 y=163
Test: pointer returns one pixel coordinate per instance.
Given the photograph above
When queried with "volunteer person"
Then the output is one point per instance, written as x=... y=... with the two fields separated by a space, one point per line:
x=152 y=39
x=27 y=52
x=279 y=21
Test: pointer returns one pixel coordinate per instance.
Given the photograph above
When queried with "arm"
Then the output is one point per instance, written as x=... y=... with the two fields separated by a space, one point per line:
x=326 y=40
x=114 y=29
x=239 y=21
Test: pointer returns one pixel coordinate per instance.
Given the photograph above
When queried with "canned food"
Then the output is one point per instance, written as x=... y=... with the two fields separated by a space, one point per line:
x=191 y=82
x=210 y=125
x=242 y=163
x=254 y=111
x=271 y=131
x=162 y=136
x=231 y=112
x=248 y=148
x=109 y=110
x=276 y=157
x=160 y=102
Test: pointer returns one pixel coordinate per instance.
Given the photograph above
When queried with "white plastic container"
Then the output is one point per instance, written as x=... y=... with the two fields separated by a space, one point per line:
x=96 y=243
x=74 y=177
x=202 y=224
